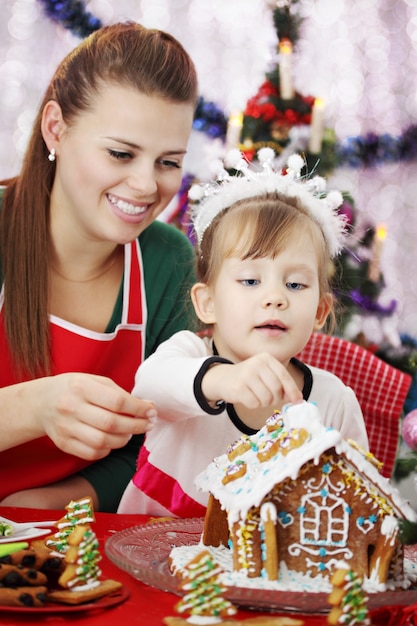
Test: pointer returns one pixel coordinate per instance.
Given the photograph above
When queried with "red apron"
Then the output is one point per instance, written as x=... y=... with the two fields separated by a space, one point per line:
x=116 y=355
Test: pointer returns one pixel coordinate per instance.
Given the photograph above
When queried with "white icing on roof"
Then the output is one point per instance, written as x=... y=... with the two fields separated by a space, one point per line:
x=239 y=495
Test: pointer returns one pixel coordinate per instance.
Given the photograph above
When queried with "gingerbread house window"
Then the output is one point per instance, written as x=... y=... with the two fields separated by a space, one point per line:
x=324 y=520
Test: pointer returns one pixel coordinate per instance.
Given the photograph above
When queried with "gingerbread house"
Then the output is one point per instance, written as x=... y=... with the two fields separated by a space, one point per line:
x=297 y=494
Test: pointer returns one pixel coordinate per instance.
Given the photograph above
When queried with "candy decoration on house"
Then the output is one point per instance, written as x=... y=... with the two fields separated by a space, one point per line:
x=204 y=591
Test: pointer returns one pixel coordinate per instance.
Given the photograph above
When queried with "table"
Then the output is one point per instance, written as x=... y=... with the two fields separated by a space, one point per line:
x=146 y=605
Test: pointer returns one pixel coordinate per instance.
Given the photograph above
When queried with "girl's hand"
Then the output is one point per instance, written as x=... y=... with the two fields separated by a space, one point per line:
x=258 y=382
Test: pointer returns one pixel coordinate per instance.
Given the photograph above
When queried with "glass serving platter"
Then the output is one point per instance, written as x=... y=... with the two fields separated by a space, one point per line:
x=143 y=552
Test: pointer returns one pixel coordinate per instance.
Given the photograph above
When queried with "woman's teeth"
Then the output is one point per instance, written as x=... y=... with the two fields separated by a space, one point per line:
x=126 y=207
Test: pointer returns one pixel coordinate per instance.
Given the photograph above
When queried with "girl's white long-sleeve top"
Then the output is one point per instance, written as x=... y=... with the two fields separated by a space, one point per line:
x=188 y=434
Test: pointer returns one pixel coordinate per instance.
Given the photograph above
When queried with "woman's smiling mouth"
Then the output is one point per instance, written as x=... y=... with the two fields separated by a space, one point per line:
x=127 y=207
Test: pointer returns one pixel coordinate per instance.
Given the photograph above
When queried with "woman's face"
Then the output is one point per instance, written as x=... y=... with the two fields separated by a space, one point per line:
x=119 y=164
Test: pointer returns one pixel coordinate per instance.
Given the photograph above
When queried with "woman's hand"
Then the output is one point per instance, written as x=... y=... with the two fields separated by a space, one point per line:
x=89 y=415
x=83 y=414
x=258 y=382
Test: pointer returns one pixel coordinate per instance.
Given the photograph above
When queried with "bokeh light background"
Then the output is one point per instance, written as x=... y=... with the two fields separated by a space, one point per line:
x=359 y=56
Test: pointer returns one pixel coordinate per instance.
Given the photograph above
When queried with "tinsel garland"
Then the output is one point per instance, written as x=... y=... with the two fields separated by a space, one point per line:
x=209 y=119
x=72 y=15
x=372 y=150
x=367 y=151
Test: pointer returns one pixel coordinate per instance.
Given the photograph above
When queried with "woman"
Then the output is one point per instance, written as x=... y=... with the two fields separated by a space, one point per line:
x=91 y=282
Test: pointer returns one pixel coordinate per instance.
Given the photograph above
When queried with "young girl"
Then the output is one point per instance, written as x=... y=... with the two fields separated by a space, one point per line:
x=265 y=242
x=90 y=282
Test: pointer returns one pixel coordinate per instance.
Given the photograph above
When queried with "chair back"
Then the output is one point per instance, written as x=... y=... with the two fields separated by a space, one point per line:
x=381 y=389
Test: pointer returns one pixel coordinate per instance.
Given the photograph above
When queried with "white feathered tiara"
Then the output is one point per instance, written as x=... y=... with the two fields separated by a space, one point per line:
x=226 y=189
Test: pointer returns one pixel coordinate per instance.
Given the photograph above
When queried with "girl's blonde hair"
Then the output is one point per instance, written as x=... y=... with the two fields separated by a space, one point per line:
x=151 y=61
x=260 y=227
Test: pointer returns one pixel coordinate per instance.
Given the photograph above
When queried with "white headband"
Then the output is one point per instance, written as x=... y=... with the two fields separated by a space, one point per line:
x=226 y=189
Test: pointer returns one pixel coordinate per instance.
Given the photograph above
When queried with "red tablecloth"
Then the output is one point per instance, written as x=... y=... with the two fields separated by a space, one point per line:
x=146 y=606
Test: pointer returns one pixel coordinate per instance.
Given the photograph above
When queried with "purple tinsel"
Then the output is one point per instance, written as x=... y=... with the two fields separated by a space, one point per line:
x=72 y=15
x=368 y=304
x=210 y=119
x=372 y=149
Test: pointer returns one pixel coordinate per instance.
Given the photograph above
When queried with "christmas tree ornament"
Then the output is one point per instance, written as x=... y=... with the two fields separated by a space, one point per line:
x=409 y=429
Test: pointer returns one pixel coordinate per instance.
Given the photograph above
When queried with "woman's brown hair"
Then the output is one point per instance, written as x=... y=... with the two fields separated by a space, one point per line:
x=127 y=54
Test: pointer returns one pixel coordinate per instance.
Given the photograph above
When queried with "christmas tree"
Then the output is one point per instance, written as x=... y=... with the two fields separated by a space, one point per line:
x=278 y=116
x=276 y=108
x=359 y=284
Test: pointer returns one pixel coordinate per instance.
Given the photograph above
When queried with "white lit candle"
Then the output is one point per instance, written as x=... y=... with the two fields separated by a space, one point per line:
x=234 y=129
x=374 y=269
x=285 y=70
x=316 y=127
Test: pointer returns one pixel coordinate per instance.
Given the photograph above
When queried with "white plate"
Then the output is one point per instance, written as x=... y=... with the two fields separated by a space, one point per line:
x=24 y=535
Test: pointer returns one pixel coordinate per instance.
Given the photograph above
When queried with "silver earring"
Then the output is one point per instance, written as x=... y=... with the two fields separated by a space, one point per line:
x=51 y=155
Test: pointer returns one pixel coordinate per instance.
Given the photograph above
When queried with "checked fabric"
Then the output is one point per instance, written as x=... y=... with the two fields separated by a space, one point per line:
x=381 y=389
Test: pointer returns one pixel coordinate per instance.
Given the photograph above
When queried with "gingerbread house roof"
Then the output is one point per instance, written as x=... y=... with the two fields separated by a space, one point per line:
x=298 y=438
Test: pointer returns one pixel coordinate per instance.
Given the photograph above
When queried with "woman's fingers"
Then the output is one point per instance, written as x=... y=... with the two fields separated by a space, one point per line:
x=90 y=415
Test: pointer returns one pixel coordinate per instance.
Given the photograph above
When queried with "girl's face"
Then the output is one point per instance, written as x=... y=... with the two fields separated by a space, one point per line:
x=119 y=164
x=267 y=304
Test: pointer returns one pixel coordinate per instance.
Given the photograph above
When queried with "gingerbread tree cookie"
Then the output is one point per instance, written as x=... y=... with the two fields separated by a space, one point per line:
x=204 y=590
x=82 y=558
x=80 y=581
x=77 y=512
x=347 y=599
